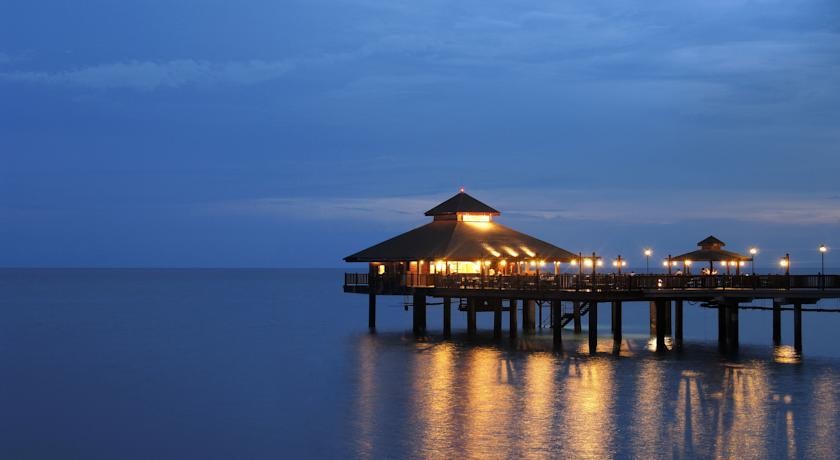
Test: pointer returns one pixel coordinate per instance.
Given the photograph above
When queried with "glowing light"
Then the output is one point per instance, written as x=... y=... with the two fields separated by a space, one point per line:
x=743 y=262
x=688 y=263
x=784 y=263
x=381 y=270
x=753 y=250
x=573 y=262
x=599 y=263
x=486 y=263
x=527 y=251
x=491 y=250
x=648 y=252
x=503 y=262
x=542 y=263
x=465 y=217
x=510 y=251
x=615 y=263
x=823 y=248
x=587 y=261
x=664 y=263
x=533 y=263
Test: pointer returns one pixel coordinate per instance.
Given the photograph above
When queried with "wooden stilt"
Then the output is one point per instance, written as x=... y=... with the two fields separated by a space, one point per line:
x=471 y=327
x=528 y=315
x=659 y=307
x=797 y=327
x=653 y=318
x=777 y=322
x=447 y=317
x=578 y=327
x=678 y=323
x=513 y=313
x=556 y=314
x=616 y=324
x=593 y=327
x=732 y=326
x=497 y=321
x=419 y=314
x=372 y=311
x=722 y=328
x=668 y=329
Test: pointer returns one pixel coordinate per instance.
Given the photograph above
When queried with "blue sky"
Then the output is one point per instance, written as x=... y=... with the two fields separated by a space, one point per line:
x=265 y=133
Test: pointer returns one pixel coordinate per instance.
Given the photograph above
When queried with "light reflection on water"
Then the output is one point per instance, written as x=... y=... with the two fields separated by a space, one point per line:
x=497 y=401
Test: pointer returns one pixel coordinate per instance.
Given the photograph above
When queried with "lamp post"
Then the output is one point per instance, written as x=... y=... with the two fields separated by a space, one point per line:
x=785 y=262
x=753 y=252
x=648 y=252
x=823 y=250
x=618 y=263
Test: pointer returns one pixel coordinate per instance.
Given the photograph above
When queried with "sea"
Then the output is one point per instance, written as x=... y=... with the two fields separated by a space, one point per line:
x=280 y=364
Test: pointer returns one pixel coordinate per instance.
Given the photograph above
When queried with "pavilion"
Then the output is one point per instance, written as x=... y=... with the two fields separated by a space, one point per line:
x=711 y=251
x=463 y=238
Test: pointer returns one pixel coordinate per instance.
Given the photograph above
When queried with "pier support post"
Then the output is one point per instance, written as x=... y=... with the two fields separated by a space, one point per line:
x=419 y=314
x=653 y=318
x=668 y=330
x=578 y=327
x=777 y=322
x=593 y=327
x=497 y=321
x=528 y=315
x=471 y=329
x=678 y=323
x=721 y=328
x=732 y=326
x=797 y=327
x=659 y=314
x=556 y=314
x=372 y=311
x=513 y=313
x=447 y=317
x=616 y=325
x=539 y=316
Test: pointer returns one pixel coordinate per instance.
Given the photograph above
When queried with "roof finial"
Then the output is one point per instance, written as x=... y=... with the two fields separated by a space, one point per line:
x=462 y=189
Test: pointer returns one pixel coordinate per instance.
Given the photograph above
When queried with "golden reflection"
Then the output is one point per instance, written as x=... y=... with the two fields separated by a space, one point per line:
x=367 y=397
x=647 y=428
x=786 y=354
x=742 y=415
x=433 y=383
x=537 y=420
x=589 y=398
x=489 y=396
x=824 y=421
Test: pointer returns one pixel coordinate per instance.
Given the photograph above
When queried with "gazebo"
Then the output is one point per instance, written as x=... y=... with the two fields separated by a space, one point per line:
x=711 y=251
x=462 y=238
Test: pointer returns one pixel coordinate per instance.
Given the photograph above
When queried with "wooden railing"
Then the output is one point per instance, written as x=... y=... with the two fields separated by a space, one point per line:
x=593 y=282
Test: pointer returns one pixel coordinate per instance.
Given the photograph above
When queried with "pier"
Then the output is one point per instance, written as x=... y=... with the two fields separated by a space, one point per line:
x=466 y=259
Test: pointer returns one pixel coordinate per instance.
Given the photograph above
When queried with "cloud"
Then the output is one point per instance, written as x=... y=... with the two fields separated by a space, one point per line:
x=149 y=75
x=599 y=205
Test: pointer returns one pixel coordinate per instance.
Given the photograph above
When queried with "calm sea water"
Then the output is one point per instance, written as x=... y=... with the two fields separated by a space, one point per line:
x=279 y=364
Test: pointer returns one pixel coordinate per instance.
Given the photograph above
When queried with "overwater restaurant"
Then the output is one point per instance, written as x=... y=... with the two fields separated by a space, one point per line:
x=711 y=251
x=462 y=238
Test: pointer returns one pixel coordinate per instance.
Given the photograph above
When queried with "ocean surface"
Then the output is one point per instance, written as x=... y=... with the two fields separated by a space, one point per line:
x=123 y=364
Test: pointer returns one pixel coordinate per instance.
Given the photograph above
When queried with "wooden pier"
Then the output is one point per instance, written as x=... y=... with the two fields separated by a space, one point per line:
x=464 y=257
x=667 y=295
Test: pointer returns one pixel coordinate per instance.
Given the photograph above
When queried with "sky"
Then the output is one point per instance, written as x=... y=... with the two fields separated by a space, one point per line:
x=209 y=133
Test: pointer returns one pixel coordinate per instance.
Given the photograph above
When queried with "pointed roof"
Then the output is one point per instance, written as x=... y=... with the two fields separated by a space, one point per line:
x=710 y=251
x=455 y=240
x=461 y=202
x=711 y=241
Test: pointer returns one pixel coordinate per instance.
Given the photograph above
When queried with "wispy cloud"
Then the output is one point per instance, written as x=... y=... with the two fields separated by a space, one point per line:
x=148 y=75
x=615 y=206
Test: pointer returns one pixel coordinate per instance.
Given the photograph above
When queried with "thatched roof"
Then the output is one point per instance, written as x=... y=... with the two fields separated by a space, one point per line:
x=461 y=202
x=455 y=240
